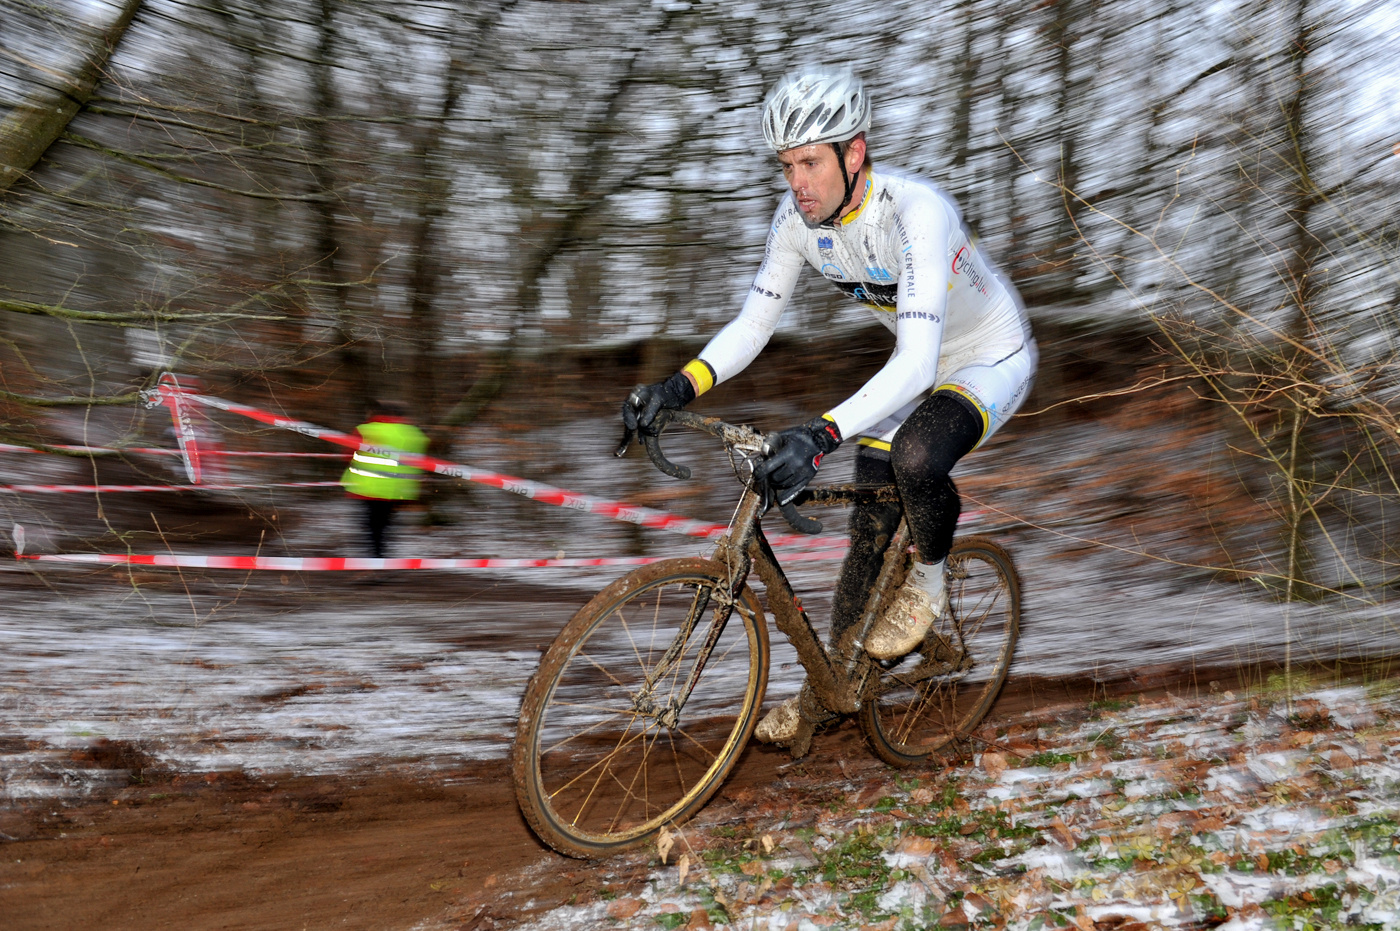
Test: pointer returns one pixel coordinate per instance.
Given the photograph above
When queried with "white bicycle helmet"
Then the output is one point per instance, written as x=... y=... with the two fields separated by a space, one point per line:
x=813 y=106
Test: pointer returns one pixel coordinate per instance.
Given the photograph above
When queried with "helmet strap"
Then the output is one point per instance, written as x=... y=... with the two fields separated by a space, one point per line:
x=847 y=181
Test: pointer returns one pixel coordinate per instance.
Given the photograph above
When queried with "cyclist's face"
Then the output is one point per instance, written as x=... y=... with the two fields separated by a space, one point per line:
x=814 y=176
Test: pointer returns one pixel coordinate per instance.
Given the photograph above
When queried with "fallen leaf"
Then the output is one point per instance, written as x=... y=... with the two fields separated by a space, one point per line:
x=664 y=843
x=1063 y=833
x=916 y=846
x=623 y=908
x=683 y=868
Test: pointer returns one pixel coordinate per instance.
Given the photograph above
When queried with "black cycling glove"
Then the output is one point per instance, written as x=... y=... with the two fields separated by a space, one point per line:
x=791 y=458
x=646 y=401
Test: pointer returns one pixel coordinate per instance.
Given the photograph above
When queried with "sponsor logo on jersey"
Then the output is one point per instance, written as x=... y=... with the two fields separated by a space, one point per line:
x=965 y=264
x=917 y=315
x=878 y=273
x=766 y=293
x=832 y=272
x=824 y=243
x=903 y=233
x=875 y=295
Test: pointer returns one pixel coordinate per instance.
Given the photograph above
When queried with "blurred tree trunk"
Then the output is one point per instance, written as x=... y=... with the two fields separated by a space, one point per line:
x=961 y=142
x=1010 y=205
x=34 y=124
x=590 y=187
x=425 y=275
x=1069 y=121
x=1303 y=285
x=330 y=260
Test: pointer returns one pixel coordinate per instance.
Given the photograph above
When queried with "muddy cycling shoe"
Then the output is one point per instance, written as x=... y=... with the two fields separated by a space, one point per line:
x=793 y=723
x=905 y=623
x=780 y=725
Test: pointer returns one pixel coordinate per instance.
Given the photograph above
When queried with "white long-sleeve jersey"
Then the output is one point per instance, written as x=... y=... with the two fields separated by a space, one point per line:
x=904 y=254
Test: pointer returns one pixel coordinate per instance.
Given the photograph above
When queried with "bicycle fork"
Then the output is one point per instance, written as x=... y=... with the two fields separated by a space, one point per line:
x=737 y=560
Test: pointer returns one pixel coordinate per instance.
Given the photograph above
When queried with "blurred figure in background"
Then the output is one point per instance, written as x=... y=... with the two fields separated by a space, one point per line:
x=963 y=361
x=378 y=481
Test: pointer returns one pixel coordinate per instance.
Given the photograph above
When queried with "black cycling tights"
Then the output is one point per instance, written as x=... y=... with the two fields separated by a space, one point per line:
x=941 y=431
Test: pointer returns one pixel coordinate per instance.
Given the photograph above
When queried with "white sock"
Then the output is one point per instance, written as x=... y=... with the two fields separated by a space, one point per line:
x=929 y=577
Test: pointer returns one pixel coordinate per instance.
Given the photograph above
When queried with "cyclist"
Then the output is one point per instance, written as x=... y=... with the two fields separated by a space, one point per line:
x=963 y=361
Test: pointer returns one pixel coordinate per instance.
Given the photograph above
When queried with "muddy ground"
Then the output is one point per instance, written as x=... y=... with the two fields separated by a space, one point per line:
x=214 y=750
x=362 y=850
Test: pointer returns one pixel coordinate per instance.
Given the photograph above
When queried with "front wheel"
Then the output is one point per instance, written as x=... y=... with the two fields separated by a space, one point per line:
x=640 y=708
x=943 y=689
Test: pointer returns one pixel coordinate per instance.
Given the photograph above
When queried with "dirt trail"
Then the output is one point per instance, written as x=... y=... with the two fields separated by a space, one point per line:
x=446 y=849
x=220 y=851
x=211 y=852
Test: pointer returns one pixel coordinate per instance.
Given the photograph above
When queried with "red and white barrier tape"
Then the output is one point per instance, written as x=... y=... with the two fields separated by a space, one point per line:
x=111 y=489
x=340 y=564
x=336 y=564
x=186 y=435
x=327 y=564
x=162 y=451
x=537 y=491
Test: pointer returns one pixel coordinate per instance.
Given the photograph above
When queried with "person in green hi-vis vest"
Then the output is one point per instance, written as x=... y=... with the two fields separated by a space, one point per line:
x=379 y=481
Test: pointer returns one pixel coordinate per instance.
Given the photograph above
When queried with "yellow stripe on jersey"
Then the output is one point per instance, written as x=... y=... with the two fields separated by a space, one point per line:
x=972 y=399
x=702 y=374
x=874 y=443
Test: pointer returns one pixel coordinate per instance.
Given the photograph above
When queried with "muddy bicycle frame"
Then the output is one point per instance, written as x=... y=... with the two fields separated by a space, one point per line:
x=840 y=678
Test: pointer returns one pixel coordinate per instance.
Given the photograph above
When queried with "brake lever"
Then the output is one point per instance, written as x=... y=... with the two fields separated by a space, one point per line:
x=628 y=435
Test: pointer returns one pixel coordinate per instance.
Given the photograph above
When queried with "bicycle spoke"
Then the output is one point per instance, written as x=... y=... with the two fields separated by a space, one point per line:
x=963 y=665
x=603 y=762
x=616 y=713
x=598 y=768
x=698 y=745
x=603 y=669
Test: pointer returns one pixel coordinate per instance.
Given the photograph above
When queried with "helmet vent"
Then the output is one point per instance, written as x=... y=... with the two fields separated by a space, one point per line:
x=809 y=107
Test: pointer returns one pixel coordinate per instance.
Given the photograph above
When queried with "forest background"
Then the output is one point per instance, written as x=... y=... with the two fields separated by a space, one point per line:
x=509 y=212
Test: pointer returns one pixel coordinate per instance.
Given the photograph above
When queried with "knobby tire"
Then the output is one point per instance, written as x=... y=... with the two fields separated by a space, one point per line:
x=597 y=768
x=942 y=690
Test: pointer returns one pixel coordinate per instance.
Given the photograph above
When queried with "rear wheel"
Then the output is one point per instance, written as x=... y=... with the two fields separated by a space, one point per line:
x=615 y=740
x=943 y=689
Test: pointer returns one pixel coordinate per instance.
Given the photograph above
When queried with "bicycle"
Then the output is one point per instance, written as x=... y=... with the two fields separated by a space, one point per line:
x=644 y=701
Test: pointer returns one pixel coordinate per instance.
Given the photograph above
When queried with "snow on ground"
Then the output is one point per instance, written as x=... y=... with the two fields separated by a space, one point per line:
x=1242 y=813
x=219 y=678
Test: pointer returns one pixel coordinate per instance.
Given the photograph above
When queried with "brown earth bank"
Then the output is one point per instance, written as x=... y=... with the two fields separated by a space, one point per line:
x=441 y=849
